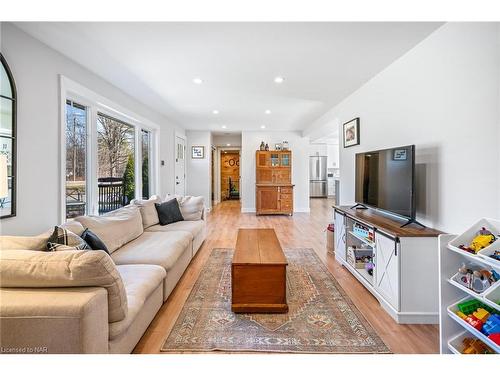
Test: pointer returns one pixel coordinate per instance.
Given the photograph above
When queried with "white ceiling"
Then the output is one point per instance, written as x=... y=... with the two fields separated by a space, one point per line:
x=322 y=63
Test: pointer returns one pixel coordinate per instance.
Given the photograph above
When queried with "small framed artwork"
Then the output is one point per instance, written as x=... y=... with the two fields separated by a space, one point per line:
x=278 y=146
x=351 y=133
x=198 y=152
x=400 y=154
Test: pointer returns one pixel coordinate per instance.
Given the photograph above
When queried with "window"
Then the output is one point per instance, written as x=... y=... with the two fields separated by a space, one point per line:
x=146 y=162
x=76 y=159
x=7 y=141
x=108 y=153
x=116 y=164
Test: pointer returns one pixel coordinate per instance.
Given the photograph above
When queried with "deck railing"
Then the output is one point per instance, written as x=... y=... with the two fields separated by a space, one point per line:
x=111 y=194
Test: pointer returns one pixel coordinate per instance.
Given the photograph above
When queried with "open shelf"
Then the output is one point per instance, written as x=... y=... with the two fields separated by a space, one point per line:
x=362 y=239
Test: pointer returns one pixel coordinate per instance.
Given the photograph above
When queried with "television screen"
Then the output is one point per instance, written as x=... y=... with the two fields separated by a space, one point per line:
x=385 y=180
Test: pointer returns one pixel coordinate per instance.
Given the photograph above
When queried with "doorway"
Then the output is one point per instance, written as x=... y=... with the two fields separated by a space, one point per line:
x=229 y=175
x=180 y=165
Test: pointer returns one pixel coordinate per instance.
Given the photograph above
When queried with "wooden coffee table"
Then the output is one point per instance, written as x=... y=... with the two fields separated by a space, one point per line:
x=258 y=273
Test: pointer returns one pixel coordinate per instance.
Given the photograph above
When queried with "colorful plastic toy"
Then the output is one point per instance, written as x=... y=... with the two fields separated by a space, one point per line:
x=495 y=337
x=483 y=239
x=461 y=315
x=481 y=314
x=475 y=346
x=468 y=307
x=474 y=322
x=492 y=325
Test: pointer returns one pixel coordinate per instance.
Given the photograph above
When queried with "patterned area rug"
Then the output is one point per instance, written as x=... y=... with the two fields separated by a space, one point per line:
x=321 y=317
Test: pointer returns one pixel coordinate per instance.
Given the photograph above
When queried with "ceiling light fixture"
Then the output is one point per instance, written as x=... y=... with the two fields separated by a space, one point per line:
x=279 y=79
x=215 y=112
x=263 y=126
x=267 y=111
x=197 y=80
x=223 y=126
x=228 y=144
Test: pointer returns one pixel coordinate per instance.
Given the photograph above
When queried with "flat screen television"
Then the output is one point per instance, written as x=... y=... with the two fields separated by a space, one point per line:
x=385 y=179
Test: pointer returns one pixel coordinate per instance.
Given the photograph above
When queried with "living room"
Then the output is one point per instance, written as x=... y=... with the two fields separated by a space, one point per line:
x=158 y=190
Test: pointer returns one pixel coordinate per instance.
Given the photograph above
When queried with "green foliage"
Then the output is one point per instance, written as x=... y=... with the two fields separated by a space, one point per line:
x=145 y=176
x=129 y=179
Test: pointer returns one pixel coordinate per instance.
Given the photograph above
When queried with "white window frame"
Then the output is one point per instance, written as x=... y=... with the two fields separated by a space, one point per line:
x=95 y=103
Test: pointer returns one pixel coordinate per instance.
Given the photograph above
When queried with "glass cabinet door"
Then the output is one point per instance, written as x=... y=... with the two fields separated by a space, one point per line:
x=275 y=160
x=285 y=160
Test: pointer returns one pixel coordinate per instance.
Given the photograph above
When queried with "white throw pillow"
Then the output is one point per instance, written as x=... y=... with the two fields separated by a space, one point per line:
x=115 y=228
x=148 y=210
x=191 y=207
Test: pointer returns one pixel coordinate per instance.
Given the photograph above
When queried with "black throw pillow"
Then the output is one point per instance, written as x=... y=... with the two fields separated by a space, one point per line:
x=93 y=241
x=169 y=212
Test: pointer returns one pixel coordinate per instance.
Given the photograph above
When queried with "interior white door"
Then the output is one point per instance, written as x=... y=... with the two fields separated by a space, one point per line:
x=180 y=166
x=387 y=268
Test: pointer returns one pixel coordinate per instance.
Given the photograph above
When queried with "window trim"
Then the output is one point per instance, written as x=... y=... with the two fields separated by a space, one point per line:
x=95 y=103
x=12 y=82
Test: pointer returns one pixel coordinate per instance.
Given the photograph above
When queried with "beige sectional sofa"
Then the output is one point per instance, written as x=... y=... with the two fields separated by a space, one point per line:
x=86 y=301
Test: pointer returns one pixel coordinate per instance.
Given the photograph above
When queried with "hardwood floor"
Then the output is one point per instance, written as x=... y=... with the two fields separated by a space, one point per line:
x=301 y=230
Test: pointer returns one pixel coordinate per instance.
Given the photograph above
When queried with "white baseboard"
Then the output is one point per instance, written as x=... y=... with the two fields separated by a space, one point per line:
x=302 y=209
x=247 y=210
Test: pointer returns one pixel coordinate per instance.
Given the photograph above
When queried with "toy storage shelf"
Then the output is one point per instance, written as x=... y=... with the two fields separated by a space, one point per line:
x=452 y=309
x=451 y=328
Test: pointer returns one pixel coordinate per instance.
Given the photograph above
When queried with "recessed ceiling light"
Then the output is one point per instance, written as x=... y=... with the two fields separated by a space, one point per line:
x=223 y=126
x=228 y=144
x=263 y=126
x=215 y=112
x=198 y=81
x=267 y=111
x=279 y=79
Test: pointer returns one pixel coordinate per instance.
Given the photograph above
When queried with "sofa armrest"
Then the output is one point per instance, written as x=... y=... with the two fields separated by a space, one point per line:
x=53 y=320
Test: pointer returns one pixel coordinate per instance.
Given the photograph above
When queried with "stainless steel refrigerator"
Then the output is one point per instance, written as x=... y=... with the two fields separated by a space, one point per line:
x=318 y=183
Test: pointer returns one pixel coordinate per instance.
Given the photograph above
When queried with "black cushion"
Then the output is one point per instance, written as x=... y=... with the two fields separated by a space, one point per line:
x=93 y=241
x=169 y=212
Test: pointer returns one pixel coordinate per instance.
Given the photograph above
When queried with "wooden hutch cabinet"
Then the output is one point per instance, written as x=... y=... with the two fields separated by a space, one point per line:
x=273 y=182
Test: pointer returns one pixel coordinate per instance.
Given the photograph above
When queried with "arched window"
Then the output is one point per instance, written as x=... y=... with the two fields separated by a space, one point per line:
x=7 y=141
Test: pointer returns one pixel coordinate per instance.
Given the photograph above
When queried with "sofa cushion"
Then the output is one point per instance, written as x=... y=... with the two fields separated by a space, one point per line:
x=140 y=280
x=193 y=227
x=148 y=210
x=160 y=248
x=191 y=207
x=74 y=226
x=169 y=212
x=115 y=228
x=38 y=269
x=38 y=242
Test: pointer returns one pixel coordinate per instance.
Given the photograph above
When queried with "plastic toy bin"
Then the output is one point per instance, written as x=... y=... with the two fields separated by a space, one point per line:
x=455 y=280
x=493 y=294
x=456 y=344
x=467 y=237
x=452 y=312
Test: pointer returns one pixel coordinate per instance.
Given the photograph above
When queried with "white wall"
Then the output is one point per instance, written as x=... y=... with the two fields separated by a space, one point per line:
x=332 y=152
x=318 y=149
x=442 y=96
x=36 y=69
x=199 y=171
x=300 y=166
x=222 y=140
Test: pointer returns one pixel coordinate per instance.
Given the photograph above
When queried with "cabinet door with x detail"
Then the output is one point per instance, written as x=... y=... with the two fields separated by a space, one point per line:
x=387 y=268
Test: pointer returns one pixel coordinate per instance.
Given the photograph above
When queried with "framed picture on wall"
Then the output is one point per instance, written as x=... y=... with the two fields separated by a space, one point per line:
x=351 y=133
x=198 y=152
